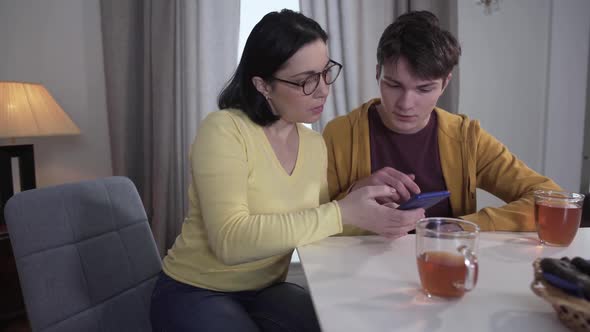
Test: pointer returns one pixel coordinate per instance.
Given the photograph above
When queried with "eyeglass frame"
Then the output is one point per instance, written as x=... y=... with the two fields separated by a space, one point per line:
x=323 y=73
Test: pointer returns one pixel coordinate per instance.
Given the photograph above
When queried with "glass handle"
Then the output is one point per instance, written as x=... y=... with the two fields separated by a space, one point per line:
x=471 y=264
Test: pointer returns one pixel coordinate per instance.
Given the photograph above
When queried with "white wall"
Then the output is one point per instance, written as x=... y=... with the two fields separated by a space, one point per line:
x=566 y=100
x=515 y=77
x=59 y=44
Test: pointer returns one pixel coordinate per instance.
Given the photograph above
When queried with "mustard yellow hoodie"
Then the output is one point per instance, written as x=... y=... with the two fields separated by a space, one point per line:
x=470 y=158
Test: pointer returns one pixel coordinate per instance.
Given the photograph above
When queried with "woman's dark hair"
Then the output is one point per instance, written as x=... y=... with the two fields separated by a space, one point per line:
x=271 y=43
x=431 y=51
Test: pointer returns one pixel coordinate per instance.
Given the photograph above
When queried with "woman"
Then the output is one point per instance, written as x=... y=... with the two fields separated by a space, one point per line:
x=259 y=190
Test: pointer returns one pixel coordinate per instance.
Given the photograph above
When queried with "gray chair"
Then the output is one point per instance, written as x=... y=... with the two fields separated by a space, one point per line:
x=85 y=255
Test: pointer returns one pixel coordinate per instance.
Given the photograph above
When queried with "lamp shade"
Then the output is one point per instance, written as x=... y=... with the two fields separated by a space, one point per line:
x=28 y=110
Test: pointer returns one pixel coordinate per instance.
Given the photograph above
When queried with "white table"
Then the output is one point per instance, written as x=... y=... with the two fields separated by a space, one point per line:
x=369 y=283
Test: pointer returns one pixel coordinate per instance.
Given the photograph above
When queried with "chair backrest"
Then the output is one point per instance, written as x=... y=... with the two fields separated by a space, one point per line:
x=85 y=255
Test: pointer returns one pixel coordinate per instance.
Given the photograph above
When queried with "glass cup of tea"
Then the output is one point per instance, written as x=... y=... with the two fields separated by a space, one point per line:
x=446 y=253
x=557 y=216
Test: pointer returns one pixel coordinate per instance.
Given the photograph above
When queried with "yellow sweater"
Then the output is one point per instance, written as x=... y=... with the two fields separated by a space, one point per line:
x=246 y=213
x=470 y=158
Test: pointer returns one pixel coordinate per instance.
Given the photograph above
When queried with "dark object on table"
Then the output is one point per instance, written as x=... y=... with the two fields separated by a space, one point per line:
x=572 y=311
x=561 y=273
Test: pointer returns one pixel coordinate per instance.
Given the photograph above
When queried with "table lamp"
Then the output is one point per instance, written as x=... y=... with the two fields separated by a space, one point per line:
x=26 y=110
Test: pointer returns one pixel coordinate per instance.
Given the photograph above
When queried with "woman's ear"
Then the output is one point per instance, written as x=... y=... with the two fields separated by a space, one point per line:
x=261 y=86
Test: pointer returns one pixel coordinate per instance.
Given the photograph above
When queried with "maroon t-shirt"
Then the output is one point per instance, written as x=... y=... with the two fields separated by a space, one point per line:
x=410 y=153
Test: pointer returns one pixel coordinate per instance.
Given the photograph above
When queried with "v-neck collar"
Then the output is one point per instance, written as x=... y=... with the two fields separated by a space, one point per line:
x=276 y=161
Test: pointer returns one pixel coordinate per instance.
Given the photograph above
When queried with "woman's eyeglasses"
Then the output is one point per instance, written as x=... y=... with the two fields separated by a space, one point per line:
x=311 y=83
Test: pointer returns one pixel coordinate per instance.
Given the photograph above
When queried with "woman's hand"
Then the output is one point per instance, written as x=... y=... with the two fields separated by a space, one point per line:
x=403 y=184
x=361 y=209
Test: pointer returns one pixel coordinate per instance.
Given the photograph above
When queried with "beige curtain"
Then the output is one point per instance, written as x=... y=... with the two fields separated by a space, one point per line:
x=165 y=62
x=354 y=28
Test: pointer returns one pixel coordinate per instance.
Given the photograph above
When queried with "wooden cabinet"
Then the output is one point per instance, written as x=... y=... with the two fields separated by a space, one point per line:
x=11 y=300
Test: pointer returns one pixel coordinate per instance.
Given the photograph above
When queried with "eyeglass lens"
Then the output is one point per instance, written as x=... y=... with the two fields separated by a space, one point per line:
x=330 y=74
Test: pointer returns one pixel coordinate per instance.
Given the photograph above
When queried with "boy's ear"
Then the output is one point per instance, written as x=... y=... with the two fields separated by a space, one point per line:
x=446 y=81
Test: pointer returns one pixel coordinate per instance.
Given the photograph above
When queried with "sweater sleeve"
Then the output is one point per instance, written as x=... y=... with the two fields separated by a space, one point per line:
x=502 y=174
x=220 y=170
x=338 y=170
x=324 y=189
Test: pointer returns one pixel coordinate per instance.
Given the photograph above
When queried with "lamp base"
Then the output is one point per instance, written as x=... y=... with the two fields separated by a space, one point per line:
x=26 y=165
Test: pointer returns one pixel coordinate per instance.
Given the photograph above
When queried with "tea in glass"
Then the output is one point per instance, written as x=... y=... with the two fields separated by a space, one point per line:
x=446 y=256
x=443 y=273
x=557 y=216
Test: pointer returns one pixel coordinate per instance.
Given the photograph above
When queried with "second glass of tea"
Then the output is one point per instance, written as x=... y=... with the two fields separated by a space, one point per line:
x=446 y=254
x=557 y=216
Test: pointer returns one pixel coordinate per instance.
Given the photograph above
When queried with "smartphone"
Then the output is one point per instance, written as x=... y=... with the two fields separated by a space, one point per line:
x=424 y=200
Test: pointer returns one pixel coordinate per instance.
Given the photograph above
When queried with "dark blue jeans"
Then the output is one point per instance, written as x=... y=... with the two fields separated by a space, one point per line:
x=178 y=307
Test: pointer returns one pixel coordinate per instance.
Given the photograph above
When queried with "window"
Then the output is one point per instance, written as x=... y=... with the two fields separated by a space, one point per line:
x=251 y=11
